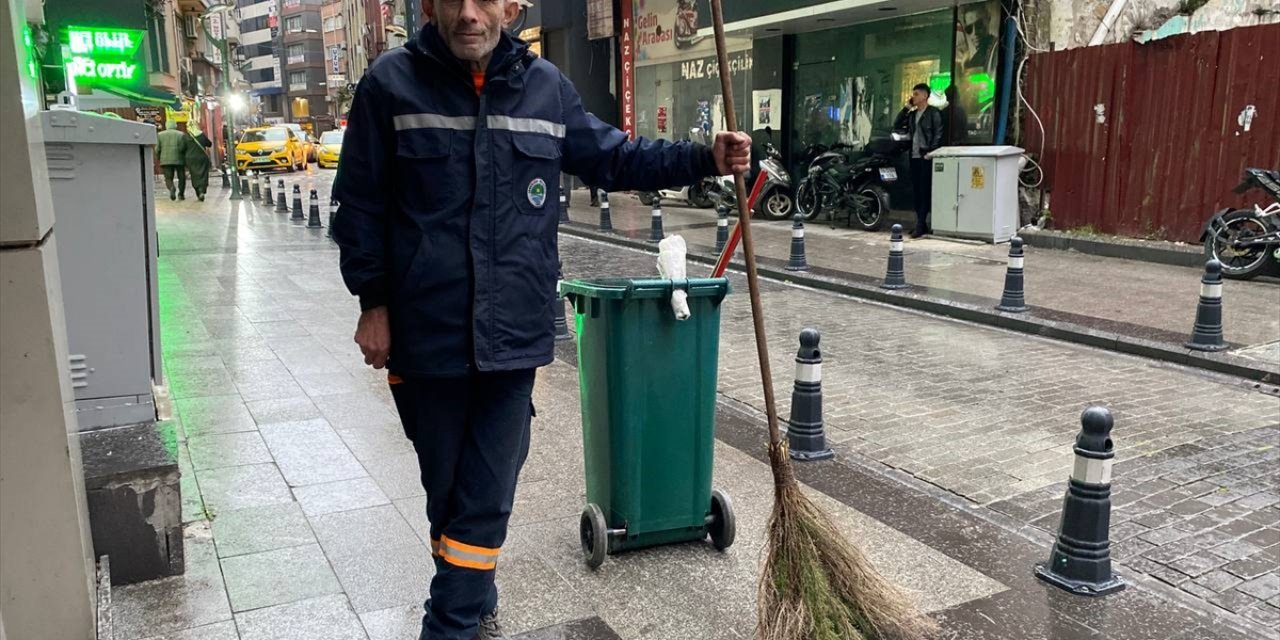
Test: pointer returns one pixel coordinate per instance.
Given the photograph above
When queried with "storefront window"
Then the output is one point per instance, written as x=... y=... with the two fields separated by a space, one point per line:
x=850 y=83
x=679 y=100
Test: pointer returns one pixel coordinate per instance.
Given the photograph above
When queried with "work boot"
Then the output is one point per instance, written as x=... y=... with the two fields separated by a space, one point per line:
x=173 y=195
x=490 y=628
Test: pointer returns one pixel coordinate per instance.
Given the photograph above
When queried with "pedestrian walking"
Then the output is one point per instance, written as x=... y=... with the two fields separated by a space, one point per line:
x=171 y=146
x=924 y=125
x=196 y=161
x=455 y=262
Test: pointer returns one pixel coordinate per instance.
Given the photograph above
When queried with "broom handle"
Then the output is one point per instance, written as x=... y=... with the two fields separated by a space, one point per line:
x=744 y=223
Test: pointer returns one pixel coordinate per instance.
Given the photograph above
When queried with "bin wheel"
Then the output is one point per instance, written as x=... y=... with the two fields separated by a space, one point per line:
x=595 y=536
x=723 y=526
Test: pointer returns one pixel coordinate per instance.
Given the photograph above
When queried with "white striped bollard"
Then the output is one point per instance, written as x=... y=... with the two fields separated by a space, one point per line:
x=722 y=227
x=797 y=261
x=297 y=203
x=655 y=221
x=333 y=213
x=806 y=435
x=282 y=204
x=313 y=211
x=561 y=325
x=1080 y=561
x=564 y=201
x=267 y=197
x=606 y=221
x=1014 y=300
x=256 y=189
x=895 y=276
x=1207 y=333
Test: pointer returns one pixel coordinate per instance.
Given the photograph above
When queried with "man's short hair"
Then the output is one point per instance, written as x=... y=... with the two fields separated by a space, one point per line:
x=921 y=87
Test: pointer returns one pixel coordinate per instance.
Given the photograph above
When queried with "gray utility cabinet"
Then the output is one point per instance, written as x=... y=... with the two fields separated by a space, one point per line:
x=975 y=192
x=101 y=177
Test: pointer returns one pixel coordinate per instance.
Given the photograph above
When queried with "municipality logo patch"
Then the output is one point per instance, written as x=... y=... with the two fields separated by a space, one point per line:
x=537 y=192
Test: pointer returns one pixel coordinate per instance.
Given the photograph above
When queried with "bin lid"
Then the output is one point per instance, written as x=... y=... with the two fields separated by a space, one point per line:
x=631 y=288
x=984 y=151
x=86 y=127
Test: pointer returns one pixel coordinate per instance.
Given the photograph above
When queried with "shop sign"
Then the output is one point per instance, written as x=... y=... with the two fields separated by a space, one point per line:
x=662 y=119
x=627 y=46
x=104 y=57
x=702 y=68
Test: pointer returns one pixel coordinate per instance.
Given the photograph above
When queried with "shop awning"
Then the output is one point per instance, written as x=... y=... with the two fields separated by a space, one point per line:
x=146 y=95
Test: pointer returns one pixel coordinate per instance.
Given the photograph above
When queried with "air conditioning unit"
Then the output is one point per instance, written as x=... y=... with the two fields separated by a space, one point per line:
x=190 y=26
x=184 y=64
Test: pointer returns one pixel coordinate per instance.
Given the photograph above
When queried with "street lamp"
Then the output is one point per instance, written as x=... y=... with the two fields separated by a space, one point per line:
x=231 y=100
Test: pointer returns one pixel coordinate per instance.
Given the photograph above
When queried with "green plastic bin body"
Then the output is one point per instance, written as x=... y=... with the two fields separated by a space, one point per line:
x=648 y=385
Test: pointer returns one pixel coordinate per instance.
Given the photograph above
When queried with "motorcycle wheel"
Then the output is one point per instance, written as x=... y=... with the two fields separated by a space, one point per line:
x=699 y=197
x=777 y=205
x=807 y=202
x=646 y=198
x=1244 y=263
x=873 y=205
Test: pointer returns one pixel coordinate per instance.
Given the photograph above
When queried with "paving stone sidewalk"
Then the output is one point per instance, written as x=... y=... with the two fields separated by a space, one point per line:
x=1137 y=299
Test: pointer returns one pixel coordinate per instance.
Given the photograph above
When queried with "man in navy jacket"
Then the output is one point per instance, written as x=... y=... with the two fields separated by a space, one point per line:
x=447 y=227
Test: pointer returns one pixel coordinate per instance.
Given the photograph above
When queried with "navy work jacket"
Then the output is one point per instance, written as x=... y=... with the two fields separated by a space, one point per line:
x=449 y=201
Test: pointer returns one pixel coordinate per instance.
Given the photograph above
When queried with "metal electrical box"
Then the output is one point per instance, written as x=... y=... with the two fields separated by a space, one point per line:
x=101 y=177
x=975 y=192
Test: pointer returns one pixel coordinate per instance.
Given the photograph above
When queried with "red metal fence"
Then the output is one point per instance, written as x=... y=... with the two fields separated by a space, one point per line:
x=1148 y=139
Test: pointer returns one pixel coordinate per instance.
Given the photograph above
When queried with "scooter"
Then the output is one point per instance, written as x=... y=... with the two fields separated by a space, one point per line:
x=776 y=199
x=842 y=182
x=1243 y=239
x=695 y=195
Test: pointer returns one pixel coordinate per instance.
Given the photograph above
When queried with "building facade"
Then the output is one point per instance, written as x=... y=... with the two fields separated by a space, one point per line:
x=259 y=58
x=306 y=62
x=337 y=95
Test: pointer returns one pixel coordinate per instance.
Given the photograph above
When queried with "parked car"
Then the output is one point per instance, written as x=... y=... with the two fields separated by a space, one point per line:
x=309 y=142
x=329 y=149
x=262 y=148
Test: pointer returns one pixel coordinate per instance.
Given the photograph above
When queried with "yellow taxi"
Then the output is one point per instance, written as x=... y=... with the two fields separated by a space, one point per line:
x=262 y=148
x=330 y=149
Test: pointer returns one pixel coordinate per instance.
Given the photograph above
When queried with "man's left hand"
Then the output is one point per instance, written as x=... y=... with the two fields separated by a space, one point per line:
x=732 y=152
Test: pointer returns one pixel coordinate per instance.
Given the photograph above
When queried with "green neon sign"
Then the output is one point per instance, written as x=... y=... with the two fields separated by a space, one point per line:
x=104 y=57
x=980 y=83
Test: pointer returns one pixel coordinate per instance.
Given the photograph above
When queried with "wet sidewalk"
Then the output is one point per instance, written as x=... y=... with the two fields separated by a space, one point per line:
x=305 y=516
x=1083 y=298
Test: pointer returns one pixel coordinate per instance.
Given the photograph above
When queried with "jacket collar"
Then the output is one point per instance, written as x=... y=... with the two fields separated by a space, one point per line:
x=509 y=52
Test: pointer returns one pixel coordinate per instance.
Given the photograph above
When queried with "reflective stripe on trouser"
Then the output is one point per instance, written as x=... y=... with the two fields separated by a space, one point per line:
x=472 y=436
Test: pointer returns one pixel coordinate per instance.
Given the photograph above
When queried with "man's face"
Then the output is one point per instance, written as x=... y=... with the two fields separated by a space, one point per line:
x=471 y=28
x=919 y=98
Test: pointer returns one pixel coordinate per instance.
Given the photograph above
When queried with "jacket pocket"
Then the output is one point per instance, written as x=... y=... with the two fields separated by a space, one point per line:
x=432 y=177
x=535 y=175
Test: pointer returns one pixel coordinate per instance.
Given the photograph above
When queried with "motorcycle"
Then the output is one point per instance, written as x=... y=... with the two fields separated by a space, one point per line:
x=842 y=180
x=1242 y=239
x=776 y=201
x=695 y=195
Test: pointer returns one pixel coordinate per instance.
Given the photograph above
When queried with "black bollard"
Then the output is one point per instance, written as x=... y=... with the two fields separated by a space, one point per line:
x=655 y=222
x=806 y=436
x=266 y=191
x=564 y=201
x=313 y=215
x=895 y=277
x=226 y=177
x=297 y=204
x=1207 y=333
x=606 y=222
x=722 y=227
x=1014 y=299
x=1081 y=558
x=282 y=205
x=797 y=262
x=333 y=213
x=557 y=304
x=256 y=191
x=244 y=186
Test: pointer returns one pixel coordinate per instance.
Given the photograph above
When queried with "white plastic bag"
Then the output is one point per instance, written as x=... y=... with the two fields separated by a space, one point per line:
x=671 y=266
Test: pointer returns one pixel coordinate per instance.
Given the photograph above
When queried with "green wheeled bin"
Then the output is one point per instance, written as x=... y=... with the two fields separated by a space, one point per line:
x=648 y=385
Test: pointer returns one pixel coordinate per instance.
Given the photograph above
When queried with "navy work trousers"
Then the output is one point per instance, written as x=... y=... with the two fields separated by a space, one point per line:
x=472 y=437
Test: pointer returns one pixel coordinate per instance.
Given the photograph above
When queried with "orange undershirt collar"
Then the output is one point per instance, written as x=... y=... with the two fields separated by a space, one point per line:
x=477 y=78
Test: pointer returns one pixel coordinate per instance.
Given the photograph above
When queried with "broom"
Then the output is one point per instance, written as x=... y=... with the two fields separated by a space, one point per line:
x=815 y=584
